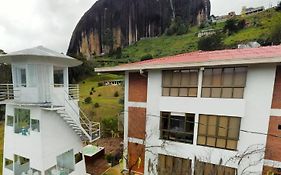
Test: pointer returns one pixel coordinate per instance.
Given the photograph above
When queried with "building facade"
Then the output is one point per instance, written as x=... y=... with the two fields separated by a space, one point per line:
x=204 y=113
x=44 y=132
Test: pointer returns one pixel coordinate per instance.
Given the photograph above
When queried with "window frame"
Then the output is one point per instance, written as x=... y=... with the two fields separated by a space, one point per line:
x=227 y=138
x=223 y=87
x=56 y=75
x=183 y=133
x=8 y=122
x=180 y=87
x=11 y=163
x=32 y=125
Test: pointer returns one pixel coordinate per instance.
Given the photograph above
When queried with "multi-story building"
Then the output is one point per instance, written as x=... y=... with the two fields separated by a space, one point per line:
x=204 y=113
x=44 y=127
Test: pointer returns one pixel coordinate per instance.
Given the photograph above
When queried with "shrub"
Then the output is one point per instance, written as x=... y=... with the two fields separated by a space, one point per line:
x=213 y=42
x=278 y=8
x=99 y=95
x=234 y=25
x=91 y=93
x=116 y=94
x=88 y=100
x=121 y=101
x=97 y=105
x=93 y=88
x=177 y=26
x=109 y=124
x=109 y=158
x=100 y=84
x=146 y=57
x=275 y=34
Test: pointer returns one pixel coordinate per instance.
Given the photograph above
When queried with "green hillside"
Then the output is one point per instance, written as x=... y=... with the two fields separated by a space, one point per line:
x=258 y=28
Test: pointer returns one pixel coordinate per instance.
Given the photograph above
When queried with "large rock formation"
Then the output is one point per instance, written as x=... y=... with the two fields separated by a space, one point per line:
x=110 y=24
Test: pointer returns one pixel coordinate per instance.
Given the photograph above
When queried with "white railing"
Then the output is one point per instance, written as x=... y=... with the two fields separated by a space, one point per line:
x=6 y=92
x=92 y=128
x=73 y=91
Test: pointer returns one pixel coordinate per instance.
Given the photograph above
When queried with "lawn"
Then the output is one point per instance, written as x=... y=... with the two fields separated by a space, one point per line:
x=109 y=104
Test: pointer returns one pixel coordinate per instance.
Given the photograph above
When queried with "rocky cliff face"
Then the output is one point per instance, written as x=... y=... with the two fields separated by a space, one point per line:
x=110 y=24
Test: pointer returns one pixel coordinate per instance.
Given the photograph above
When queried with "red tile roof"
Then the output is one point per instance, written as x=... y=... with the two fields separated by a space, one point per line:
x=227 y=56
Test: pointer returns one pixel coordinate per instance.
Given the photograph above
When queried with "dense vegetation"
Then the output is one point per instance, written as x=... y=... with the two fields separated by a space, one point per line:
x=263 y=27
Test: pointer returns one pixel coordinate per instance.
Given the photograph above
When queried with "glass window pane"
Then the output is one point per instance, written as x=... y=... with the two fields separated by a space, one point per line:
x=176 y=79
x=201 y=140
x=183 y=92
x=216 y=92
x=174 y=92
x=211 y=141
x=166 y=91
x=240 y=76
x=58 y=76
x=22 y=164
x=193 y=77
x=65 y=162
x=238 y=92
x=185 y=78
x=9 y=164
x=234 y=128
x=10 y=120
x=78 y=157
x=164 y=122
x=23 y=77
x=222 y=128
x=177 y=123
x=192 y=92
x=207 y=77
x=22 y=121
x=221 y=143
x=228 y=76
x=32 y=75
x=217 y=77
x=35 y=125
x=212 y=125
x=226 y=92
x=203 y=120
x=189 y=122
x=167 y=78
x=206 y=92
x=231 y=144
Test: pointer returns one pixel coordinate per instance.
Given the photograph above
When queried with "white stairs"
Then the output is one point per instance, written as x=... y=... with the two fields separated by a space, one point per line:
x=84 y=128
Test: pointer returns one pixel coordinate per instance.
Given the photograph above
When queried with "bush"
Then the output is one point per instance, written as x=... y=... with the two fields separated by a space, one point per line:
x=91 y=93
x=109 y=124
x=278 y=8
x=234 y=25
x=213 y=42
x=178 y=27
x=97 y=105
x=100 y=84
x=99 y=95
x=116 y=94
x=121 y=101
x=93 y=88
x=88 y=100
x=146 y=57
x=275 y=34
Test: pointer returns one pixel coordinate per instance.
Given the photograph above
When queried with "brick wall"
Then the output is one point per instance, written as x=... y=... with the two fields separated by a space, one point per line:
x=137 y=87
x=137 y=122
x=273 y=145
x=136 y=151
x=276 y=100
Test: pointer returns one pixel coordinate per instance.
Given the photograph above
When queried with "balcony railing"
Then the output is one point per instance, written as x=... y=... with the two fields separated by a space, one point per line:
x=6 y=92
x=73 y=90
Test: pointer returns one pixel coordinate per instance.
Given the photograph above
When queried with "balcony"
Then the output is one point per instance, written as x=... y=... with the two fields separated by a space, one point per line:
x=6 y=92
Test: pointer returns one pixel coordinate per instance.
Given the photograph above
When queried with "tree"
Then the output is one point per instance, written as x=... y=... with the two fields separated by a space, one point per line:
x=213 y=42
x=234 y=25
x=275 y=34
x=278 y=8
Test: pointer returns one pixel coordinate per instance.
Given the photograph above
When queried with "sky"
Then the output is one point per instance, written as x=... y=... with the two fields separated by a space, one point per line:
x=29 y=23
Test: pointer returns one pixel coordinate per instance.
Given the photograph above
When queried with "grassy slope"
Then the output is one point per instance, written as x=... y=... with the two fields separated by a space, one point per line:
x=109 y=105
x=259 y=28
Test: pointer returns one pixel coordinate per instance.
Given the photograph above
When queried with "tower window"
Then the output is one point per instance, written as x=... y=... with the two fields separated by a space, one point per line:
x=22 y=121
x=20 y=76
x=58 y=76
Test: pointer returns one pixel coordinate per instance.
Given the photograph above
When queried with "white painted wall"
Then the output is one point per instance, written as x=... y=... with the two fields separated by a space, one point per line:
x=55 y=137
x=254 y=110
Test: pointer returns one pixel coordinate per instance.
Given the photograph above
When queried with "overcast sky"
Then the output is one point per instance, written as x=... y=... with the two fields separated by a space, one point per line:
x=29 y=23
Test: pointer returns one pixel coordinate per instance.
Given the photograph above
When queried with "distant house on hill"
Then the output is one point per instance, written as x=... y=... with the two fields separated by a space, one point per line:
x=251 y=10
x=223 y=18
x=206 y=32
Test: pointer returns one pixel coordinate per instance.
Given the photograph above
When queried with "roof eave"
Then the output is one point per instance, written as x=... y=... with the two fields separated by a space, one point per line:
x=242 y=61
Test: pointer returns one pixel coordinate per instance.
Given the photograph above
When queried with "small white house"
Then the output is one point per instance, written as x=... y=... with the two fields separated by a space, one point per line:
x=45 y=128
x=204 y=113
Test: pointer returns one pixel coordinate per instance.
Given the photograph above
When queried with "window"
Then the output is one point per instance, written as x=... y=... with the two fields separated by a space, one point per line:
x=224 y=82
x=10 y=120
x=35 y=125
x=177 y=128
x=218 y=131
x=182 y=83
x=173 y=165
x=22 y=164
x=65 y=162
x=20 y=76
x=22 y=121
x=279 y=127
x=78 y=157
x=58 y=76
x=9 y=164
x=202 y=168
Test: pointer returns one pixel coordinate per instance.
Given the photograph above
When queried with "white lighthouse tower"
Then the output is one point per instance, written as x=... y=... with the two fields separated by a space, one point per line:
x=45 y=130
